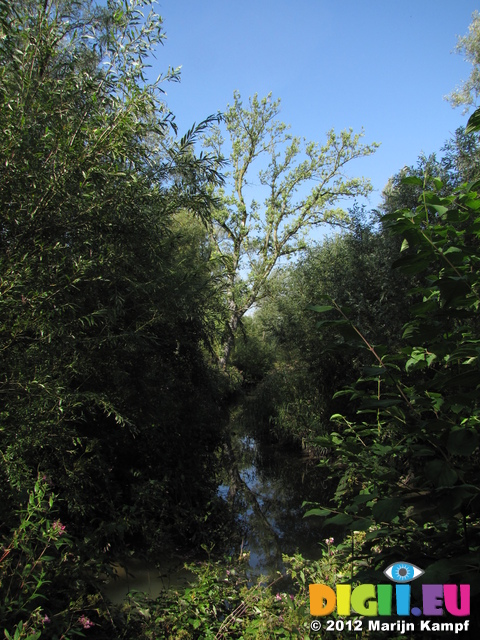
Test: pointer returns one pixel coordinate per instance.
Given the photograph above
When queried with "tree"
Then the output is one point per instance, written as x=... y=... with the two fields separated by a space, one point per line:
x=104 y=296
x=469 y=46
x=103 y=378
x=458 y=163
x=303 y=184
x=461 y=158
x=355 y=269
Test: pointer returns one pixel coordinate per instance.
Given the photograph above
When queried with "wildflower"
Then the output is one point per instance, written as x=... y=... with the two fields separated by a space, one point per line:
x=58 y=527
x=85 y=622
x=46 y=620
x=329 y=540
x=278 y=597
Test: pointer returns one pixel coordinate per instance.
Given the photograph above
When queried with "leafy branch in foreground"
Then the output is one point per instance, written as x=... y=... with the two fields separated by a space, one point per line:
x=408 y=464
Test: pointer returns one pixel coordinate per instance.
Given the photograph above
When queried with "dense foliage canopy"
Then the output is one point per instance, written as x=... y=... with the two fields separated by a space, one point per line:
x=132 y=272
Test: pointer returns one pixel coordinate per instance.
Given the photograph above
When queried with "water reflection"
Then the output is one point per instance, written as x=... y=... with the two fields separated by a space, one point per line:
x=140 y=575
x=266 y=485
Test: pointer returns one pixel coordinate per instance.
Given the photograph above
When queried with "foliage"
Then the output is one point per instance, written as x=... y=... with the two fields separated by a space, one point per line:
x=103 y=299
x=124 y=262
x=461 y=158
x=40 y=563
x=355 y=268
x=253 y=354
x=303 y=183
x=408 y=462
x=43 y=586
x=458 y=163
x=224 y=603
x=469 y=47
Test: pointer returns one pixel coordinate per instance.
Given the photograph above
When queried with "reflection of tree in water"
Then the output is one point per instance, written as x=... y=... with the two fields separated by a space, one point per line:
x=267 y=486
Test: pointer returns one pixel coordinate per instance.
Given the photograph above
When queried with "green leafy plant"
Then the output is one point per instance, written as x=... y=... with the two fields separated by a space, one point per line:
x=42 y=581
x=223 y=602
x=408 y=463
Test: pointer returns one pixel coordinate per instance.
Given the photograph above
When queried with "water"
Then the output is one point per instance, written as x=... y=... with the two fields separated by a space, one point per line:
x=266 y=486
x=136 y=574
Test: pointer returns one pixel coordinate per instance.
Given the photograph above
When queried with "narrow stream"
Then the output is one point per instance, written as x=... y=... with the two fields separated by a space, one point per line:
x=266 y=486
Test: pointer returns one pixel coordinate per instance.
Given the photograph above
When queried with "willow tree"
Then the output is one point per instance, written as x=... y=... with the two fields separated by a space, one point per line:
x=467 y=93
x=303 y=184
x=101 y=315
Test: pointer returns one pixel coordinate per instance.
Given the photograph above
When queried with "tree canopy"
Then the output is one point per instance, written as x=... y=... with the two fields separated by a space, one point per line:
x=304 y=184
x=469 y=45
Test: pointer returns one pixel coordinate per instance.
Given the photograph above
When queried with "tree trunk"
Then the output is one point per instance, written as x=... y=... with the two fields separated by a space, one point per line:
x=228 y=344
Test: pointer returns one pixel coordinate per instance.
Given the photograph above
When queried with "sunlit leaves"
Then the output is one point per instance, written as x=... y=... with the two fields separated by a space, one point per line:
x=103 y=298
x=418 y=423
x=301 y=184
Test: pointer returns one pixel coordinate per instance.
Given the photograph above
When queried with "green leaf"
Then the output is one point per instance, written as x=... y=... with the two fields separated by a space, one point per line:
x=361 y=525
x=317 y=512
x=462 y=442
x=440 y=473
x=453 y=289
x=451 y=500
x=381 y=449
x=387 y=509
x=413 y=264
x=377 y=533
x=467 y=380
x=373 y=371
x=440 y=209
x=452 y=250
x=412 y=180
x=319 y=308
x=331 y=323
x=340 y=519
x=383 y=403
x=473 y=123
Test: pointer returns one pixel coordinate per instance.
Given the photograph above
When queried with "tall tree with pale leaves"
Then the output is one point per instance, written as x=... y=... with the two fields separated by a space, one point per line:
x=302 y=185
x=469 y=46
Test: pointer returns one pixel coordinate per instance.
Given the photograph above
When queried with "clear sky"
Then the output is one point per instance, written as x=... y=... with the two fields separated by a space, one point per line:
x=384 y=65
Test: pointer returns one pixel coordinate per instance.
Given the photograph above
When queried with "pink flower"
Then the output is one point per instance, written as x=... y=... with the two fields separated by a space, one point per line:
x=85 y=622
x=46 y=620
x=278 y=597
x=58 y=527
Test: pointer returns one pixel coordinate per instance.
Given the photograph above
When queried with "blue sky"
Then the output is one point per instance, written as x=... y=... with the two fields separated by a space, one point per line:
x=384 y=65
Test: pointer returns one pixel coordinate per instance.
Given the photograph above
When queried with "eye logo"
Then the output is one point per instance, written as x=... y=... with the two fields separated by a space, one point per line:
x=403 y=572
